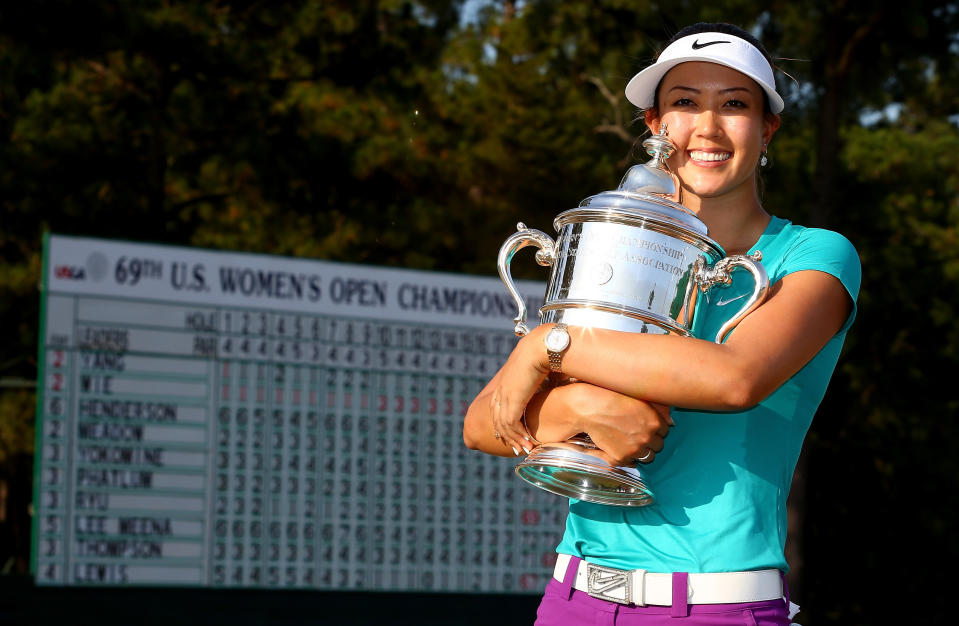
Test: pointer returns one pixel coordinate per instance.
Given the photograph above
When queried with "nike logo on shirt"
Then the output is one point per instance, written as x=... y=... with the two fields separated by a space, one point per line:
x=722 y=302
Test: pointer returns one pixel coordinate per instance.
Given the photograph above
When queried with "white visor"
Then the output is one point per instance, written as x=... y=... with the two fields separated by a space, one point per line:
x=711 y=47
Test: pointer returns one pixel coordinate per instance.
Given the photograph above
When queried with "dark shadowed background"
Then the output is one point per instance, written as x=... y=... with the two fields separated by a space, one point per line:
x=416 y=134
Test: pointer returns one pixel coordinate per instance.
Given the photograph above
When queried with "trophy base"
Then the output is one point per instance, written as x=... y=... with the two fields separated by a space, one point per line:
x=564 y=469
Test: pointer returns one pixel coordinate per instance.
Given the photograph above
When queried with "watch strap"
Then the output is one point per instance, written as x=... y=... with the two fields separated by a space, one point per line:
x=556 y=358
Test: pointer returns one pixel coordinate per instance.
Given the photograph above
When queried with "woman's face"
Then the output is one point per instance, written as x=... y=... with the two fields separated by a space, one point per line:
x=716 y=117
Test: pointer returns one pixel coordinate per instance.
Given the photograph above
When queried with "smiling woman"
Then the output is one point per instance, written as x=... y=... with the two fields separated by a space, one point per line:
x=710 y=548
x=716 y=118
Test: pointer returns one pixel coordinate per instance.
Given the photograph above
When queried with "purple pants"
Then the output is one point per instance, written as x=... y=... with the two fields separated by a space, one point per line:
x=564 y=606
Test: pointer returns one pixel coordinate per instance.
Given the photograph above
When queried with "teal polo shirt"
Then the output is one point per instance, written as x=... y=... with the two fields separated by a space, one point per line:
x=722 y=480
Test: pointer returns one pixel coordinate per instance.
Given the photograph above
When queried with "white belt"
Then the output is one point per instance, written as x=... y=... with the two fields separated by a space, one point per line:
x=640 y=587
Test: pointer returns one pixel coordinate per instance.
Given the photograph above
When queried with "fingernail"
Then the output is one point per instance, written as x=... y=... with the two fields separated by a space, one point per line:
x=525 y=449
x=515 y=451
x=526 y=437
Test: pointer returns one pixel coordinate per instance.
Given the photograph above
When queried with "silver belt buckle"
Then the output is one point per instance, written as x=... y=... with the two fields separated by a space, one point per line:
x=609 y=584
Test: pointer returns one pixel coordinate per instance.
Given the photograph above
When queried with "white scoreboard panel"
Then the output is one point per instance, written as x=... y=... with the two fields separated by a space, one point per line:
x=238 y=420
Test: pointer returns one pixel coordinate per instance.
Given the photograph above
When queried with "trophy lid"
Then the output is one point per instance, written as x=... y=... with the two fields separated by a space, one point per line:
x=642 y=195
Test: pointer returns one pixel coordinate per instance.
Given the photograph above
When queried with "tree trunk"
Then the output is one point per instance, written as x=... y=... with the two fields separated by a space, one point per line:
x=827 y=155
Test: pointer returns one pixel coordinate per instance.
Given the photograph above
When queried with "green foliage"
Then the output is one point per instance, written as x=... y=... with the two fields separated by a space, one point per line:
x=16 y=423
x=907 y=343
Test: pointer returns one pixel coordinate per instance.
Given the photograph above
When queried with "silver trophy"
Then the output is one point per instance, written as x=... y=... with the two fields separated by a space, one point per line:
x=633 y=260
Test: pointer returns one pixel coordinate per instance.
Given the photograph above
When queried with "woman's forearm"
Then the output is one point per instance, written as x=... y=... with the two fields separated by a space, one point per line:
x=770 y=345
x=667 y=369
x=548 y=419
x=624 y=428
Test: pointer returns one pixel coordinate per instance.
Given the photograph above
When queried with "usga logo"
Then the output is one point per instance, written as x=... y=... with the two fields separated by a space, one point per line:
x=96 y=267
x=69 y=272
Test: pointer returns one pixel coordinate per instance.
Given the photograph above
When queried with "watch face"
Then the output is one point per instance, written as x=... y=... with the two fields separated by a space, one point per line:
x=557 y=340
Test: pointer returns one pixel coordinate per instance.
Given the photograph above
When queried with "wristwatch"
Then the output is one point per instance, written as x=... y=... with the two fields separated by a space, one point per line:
x=557 y=342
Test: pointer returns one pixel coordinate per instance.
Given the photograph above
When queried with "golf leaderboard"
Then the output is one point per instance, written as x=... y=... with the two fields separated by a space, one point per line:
x=220 y=419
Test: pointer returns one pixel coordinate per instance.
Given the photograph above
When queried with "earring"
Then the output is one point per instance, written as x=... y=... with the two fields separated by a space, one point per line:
x=763 y=160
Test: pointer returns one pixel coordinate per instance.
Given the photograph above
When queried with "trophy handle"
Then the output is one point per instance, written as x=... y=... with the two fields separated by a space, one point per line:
x=544 y=256
x=719 y=273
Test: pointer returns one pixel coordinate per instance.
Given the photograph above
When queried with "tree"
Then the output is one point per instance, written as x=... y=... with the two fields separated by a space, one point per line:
x=391 y=132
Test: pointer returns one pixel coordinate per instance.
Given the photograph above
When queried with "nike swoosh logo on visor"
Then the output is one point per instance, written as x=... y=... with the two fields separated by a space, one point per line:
x=697 y=45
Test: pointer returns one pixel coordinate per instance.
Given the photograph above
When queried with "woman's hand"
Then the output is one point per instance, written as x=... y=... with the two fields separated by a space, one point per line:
x=519 y=378
x=624 y=428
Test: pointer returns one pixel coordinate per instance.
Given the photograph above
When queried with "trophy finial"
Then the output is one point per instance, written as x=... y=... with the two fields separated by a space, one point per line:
x=652 y=176
x=659 y=147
